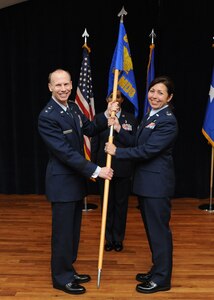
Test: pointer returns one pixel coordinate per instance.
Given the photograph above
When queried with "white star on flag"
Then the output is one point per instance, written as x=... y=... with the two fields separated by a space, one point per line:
x=211 y=93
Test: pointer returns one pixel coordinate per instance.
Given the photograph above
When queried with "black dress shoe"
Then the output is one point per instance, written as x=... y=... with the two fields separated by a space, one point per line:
x=142 y=277
x=109 y=246
x=71 y=288
x=149 y=287
x=81 y=278
x=118 y=246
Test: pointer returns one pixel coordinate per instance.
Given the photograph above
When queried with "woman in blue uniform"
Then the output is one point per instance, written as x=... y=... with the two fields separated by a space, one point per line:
x=152 y=151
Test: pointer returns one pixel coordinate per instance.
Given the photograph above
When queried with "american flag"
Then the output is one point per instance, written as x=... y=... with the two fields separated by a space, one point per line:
x=84 y=95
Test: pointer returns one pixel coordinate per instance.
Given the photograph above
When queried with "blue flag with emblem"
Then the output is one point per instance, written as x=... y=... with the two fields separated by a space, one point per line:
x=208 y=126
x=150 y=77
x=122 y=61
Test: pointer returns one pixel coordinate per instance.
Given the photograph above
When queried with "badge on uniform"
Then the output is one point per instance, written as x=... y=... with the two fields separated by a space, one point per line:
x=80 y=121
x=150 y=125
x=127 y=126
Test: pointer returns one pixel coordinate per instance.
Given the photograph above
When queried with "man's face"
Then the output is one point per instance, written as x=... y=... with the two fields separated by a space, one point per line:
x=60 y=86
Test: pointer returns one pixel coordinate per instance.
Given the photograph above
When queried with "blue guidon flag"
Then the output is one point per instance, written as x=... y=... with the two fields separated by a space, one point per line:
x=208 y=126
x=122 y=61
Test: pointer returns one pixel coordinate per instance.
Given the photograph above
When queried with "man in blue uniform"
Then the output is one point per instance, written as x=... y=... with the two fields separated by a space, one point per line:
x=62 y=126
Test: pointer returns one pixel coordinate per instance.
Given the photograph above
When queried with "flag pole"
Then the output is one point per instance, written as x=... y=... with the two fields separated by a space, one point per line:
x=211 y=180
x=209 y=207
x=106 y=188
x=87 y=206
x=108 y=164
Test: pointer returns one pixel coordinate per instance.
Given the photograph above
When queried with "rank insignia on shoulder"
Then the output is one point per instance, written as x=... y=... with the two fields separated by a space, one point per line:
x=168 y=113
x=48 y=109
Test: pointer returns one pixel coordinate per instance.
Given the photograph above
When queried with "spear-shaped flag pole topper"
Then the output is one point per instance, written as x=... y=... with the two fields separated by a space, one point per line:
x=108 y=162
x=152 y=35
x=85 y=35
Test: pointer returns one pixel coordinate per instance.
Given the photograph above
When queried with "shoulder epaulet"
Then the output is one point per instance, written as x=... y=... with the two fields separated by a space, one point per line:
x=48 y=109
x=71 y=101
x=168 y=113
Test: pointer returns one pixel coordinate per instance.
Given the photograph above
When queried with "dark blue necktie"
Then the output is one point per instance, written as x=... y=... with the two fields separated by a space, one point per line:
x=68 y=111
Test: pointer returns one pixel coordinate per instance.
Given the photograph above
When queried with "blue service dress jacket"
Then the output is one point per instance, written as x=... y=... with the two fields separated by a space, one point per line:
x=67 y=170
x=152 y=149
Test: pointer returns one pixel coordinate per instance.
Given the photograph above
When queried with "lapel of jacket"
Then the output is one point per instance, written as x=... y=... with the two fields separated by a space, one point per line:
x=122 y=117
x=147 y=120
x=77 y=120
x=63 y=114
x=141 y=126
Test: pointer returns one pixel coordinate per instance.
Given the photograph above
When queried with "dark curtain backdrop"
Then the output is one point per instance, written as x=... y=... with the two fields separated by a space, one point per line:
x=37 y=37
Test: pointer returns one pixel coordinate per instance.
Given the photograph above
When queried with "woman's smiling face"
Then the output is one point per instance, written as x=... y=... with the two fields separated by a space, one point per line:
x=158 y=96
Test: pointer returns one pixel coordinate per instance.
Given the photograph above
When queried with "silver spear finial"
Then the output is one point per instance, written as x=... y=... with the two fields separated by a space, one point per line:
x=85 y=35
x=122 y=13
x=152 y=35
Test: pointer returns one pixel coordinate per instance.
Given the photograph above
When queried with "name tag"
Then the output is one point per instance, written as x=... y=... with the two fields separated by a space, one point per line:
x=67 y=131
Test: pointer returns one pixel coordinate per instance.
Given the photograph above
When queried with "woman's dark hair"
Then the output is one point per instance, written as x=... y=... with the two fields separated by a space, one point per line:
x=167 y=81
